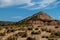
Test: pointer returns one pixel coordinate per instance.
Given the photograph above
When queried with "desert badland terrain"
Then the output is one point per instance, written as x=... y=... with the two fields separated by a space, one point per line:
x=39 y=26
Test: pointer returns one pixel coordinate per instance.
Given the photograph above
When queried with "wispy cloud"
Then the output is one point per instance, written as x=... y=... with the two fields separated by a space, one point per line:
x=31 y=4
x=17 y=17
x=4 y=3
x=44 y=4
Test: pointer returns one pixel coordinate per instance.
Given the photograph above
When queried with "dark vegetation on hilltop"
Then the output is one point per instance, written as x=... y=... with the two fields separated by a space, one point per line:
x=6 y=23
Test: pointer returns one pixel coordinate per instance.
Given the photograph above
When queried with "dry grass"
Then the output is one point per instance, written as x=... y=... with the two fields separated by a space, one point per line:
x=22 y=33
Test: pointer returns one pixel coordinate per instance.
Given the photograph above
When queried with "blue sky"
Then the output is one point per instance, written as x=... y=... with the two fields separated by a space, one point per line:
x=15 y=10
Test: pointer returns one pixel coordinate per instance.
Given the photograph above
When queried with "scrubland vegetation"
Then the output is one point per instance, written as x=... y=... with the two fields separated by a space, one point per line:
x=29 y=33
x=39 y=26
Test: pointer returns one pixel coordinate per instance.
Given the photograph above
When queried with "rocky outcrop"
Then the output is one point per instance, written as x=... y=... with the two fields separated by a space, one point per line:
x=40 y=19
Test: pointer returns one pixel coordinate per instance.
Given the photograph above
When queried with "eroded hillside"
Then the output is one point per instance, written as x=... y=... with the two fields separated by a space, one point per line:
x=39 y=26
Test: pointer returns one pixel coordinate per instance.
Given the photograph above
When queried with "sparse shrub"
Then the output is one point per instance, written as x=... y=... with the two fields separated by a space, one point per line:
x=1 y=28
x=39 y=26
x=56 y=27
x=29 y=38
x=10 y=30
x=48 y=30
x=50 y=39
x=30 y=28
x=16 y=35
x=34 y=33
x=6 y=27
x=22 y=34
x=12 y=38
x=44 y=36
x=53 y=36
x=57 y=34
x=2 y=34
x=36 y=28
x=43 y=29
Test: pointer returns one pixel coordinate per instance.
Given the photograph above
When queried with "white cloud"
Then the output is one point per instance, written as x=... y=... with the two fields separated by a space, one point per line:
x=17 y=17
x=42 y=4
x=57 y=3
x=30 y=5
x=4 y=3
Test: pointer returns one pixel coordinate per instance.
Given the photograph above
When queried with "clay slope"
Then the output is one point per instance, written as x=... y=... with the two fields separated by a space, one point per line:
x=39 y=19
